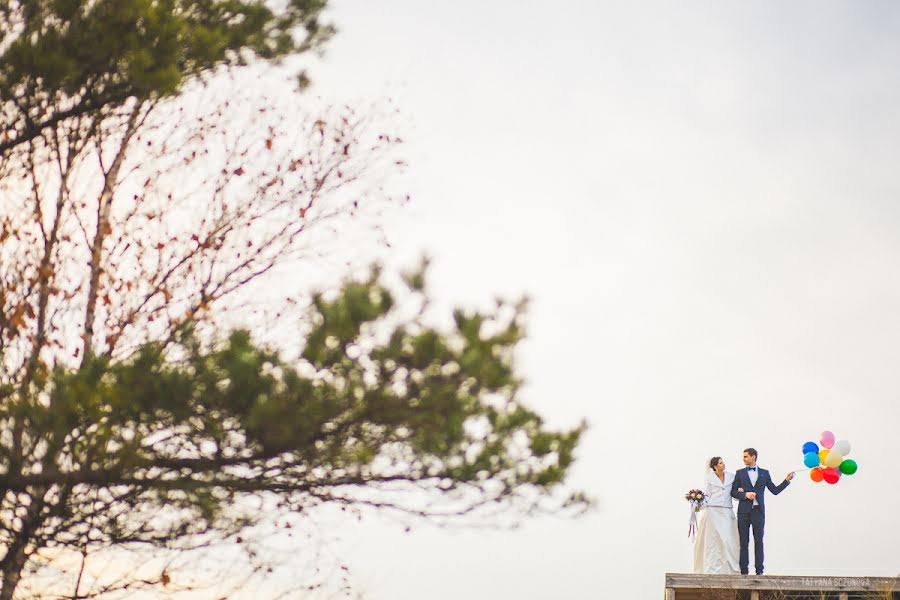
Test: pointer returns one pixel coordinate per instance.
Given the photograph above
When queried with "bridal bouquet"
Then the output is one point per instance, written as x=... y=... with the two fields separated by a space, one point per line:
x=696 y=498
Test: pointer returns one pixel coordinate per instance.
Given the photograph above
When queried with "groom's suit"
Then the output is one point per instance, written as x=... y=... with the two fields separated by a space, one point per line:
x=753 y=513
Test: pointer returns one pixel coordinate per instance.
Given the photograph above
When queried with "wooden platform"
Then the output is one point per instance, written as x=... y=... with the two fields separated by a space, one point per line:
x=776 y=587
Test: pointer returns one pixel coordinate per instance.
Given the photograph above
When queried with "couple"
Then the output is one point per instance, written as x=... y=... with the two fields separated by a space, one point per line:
x=720 y=534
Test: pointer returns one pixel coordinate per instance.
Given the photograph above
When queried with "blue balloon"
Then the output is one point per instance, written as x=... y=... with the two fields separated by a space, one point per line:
x=810 y=447
x=811 y=460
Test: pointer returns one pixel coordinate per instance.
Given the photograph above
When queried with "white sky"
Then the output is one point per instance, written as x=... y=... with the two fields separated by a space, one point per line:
x=702 y=201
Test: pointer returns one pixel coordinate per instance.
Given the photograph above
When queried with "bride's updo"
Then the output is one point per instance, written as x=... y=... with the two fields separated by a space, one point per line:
x=714 y=461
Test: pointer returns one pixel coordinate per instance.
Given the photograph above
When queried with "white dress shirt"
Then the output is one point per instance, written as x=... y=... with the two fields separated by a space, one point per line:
x=754 y=476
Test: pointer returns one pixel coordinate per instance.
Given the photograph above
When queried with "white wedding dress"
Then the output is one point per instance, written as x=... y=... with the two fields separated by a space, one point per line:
x=716 y=546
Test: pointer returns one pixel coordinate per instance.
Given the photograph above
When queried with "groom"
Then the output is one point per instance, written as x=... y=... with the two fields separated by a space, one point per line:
x=752 y=507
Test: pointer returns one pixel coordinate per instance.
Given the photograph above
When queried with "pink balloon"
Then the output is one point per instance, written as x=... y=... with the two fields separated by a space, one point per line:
x=827 y=439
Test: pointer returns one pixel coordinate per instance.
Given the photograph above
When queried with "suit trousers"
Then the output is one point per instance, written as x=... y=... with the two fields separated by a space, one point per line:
x=757 y=519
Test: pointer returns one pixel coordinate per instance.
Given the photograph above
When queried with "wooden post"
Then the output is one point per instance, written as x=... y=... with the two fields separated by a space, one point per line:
x=670 y=594
x=843 y=596
x=754 y=595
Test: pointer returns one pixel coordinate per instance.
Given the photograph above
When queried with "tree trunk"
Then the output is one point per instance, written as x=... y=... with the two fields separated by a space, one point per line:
x=12 y=572
x=12 y=564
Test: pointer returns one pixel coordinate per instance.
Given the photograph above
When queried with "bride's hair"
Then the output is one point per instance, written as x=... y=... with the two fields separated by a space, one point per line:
x=714 y=461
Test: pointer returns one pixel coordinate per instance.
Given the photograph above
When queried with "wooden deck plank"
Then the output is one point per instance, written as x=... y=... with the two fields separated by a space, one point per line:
x=783 y=582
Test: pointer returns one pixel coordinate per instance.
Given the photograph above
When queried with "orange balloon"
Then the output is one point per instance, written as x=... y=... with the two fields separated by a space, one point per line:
x=816 y=474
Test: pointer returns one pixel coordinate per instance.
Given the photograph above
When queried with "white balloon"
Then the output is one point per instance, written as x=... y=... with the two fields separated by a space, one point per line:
x=842 y=447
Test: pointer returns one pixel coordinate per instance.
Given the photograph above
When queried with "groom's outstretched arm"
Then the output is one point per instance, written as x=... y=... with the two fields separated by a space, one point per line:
x=776 y=489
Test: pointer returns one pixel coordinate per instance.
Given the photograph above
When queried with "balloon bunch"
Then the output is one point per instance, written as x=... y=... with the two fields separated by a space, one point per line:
x=829 y=463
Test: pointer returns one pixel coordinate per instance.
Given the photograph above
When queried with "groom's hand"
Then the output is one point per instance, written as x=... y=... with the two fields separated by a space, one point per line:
x=789 y=476
x=751 y=495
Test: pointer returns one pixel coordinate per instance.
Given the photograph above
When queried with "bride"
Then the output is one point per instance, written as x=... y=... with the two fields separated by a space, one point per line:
x=716 y=547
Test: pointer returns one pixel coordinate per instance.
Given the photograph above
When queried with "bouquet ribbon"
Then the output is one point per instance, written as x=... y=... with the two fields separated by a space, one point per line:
x=692 y=522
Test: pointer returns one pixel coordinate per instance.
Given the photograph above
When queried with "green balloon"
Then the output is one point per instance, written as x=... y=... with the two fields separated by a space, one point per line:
x=848 y=467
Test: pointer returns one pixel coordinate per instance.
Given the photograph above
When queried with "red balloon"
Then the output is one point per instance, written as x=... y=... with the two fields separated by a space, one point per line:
x=831 y=475
x=816 y=474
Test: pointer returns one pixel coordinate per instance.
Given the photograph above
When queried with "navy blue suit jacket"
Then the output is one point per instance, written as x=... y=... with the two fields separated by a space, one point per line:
x=763 y=481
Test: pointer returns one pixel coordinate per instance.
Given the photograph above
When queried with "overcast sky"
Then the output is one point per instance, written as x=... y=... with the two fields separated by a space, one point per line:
x=702 y=200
